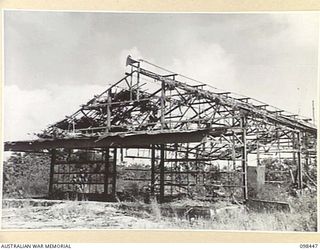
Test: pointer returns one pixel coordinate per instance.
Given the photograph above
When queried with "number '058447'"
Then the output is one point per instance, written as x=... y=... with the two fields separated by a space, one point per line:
x=308 y=245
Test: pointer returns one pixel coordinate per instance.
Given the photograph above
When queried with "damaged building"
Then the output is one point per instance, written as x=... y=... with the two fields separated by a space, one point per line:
x=191 y=135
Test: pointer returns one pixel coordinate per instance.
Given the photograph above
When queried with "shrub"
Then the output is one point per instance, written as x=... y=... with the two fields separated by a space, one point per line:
x=26 y=175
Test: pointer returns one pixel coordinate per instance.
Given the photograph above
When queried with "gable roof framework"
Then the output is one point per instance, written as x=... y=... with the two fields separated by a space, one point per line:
x=145 y=108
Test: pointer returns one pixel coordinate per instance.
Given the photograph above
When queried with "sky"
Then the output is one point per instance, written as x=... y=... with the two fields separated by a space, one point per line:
x=56 y=61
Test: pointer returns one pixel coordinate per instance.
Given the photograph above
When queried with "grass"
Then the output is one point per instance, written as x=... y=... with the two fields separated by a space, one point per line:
x=301 y=218
x=245 y=220
x=155 y=210
x=86 y=215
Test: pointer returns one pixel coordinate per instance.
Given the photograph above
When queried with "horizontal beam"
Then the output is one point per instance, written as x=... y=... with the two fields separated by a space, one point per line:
x=188 y=160
x=132 y=141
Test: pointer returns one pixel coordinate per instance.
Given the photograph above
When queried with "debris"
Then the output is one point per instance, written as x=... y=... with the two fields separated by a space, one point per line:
x=267 y=206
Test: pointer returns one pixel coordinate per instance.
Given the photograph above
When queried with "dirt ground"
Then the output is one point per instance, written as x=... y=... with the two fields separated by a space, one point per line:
x=42 y=214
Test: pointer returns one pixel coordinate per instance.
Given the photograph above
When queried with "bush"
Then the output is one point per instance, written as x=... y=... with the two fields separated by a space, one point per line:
x=26 y=175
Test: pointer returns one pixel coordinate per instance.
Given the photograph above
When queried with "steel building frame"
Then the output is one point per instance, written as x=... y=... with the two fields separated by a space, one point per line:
x=186 y=126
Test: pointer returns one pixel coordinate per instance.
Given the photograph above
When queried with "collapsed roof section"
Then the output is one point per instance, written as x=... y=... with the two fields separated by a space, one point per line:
x=145 y=101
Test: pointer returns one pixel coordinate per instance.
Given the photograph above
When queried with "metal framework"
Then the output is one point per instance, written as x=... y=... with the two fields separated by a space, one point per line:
x=190 y=131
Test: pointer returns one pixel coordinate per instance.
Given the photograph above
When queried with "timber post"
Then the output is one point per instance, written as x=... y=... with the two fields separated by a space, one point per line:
x=52 y=164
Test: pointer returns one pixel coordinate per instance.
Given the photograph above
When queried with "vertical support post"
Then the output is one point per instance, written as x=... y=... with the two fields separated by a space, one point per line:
x=203 y=172
x=294 y=177
x=233 y=143
x=114 y=174
x=177 y=167
x=233 y=152
x=244 y=159
x=197 y=167
x=53 y=160
x=106 y=172
x=306 y=146
x=188 y=167
x=138 y=82
x=162 y=173
x=131 y=83
x=294 y=145
x=153 y=158
x=121 y=154
x=163 y=93
x=278 y=145
x=171 y=177
x=109 y=111
x=300 y=184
